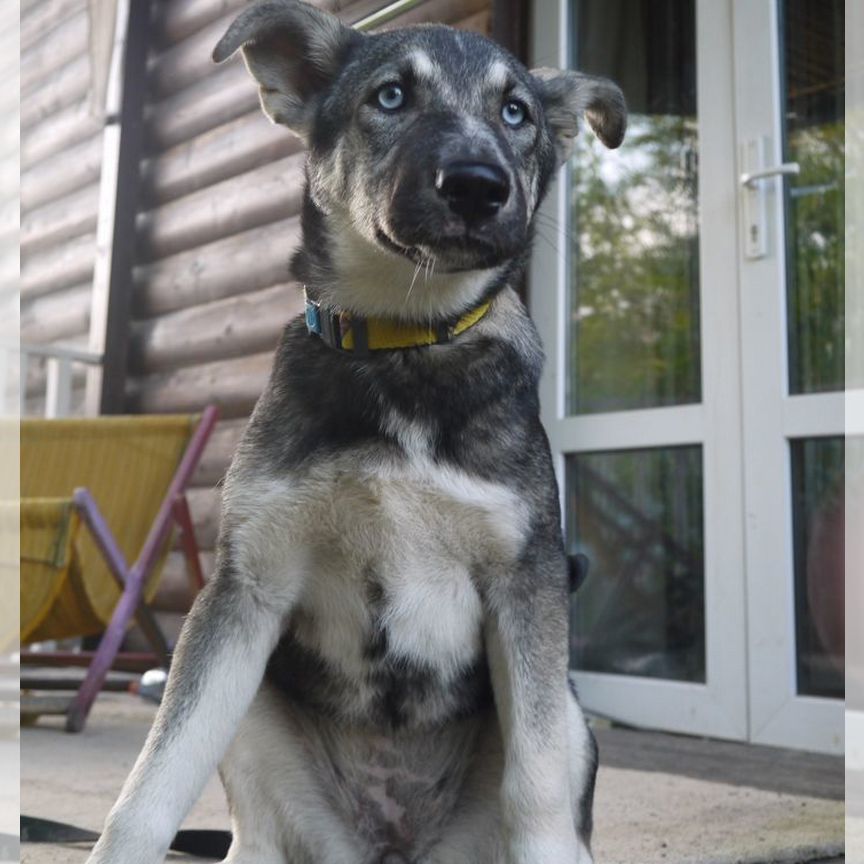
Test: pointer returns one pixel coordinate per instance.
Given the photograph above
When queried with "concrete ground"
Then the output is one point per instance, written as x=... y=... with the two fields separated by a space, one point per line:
x=9 y=786
x=855 y=817
x=642 y=817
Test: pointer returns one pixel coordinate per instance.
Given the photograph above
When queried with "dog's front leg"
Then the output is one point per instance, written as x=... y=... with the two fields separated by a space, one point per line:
x=526 y=642
x=220 y=661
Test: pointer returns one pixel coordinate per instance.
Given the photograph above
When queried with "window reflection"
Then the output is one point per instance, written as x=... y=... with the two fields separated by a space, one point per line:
x=634 y=318
x=813 y=50
x=637 y=515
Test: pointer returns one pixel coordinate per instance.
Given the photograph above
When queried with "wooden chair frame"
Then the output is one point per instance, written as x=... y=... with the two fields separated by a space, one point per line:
x=174 y=510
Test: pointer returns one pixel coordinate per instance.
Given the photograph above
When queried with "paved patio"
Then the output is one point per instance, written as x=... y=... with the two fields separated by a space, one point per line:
x=649 y=813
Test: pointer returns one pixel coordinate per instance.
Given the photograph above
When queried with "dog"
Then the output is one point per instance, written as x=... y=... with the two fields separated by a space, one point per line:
x=379 y=665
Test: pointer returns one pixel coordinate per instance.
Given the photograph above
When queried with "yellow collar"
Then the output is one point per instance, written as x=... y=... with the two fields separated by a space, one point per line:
x=346 y=332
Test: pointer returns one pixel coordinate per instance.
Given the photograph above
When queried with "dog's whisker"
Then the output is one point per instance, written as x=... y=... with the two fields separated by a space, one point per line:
x=413 y=280
x=554 y=223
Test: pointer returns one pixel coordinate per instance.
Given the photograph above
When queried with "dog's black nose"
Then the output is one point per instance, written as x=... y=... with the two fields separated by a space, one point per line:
x=473 y=190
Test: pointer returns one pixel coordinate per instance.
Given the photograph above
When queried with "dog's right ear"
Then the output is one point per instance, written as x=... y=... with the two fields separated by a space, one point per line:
x=293 y=51
x=568 y=95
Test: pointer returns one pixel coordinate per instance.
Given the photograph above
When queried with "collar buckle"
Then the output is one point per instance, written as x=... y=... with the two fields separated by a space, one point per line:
x=319 y=322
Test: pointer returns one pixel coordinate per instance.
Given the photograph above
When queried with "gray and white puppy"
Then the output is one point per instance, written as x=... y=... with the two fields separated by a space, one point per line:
x=379 y=665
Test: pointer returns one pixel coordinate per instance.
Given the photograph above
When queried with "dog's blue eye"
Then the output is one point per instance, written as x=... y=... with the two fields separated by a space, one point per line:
x=513 y=113
x=391 y=97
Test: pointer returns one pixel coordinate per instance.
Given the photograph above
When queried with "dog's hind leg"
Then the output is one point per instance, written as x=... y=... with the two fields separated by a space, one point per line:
x=474 y=836
x=281 y=812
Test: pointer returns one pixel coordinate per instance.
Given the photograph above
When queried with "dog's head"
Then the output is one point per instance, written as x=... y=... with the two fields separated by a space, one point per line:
x=429 y=150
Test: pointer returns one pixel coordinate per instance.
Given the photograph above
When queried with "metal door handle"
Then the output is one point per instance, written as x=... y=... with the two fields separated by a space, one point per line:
x=750 y=177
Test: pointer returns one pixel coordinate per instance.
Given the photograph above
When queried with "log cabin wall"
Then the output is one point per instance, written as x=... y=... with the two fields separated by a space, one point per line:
x=221 y=193
x=61 y=157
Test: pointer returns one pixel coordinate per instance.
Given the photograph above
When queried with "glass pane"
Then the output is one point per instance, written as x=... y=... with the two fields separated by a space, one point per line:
x=814 y=130
x=634 y=309
x=637 y=515
x=818 y=521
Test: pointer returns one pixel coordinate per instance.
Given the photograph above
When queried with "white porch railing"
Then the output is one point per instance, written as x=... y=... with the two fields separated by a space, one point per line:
x=59 y=361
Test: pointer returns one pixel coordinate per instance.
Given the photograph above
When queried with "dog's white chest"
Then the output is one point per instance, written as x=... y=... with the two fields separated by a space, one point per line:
x=391 y=551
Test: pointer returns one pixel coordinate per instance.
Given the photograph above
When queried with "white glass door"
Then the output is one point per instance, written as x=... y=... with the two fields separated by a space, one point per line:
x=693 y=394
x=789 y=86
x=634 y=289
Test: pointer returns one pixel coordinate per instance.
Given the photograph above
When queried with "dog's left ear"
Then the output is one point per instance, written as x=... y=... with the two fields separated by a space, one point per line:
x=294 y=51
x=568 y=95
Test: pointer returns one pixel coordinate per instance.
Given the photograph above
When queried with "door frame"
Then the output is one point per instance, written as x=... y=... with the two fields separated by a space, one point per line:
x=718 y=707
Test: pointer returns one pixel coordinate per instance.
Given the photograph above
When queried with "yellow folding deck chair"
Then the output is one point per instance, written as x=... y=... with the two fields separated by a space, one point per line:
x=99 y=498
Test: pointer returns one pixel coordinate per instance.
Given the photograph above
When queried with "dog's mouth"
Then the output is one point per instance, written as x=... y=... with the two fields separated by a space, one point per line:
x=412 y=253
x=451 y=254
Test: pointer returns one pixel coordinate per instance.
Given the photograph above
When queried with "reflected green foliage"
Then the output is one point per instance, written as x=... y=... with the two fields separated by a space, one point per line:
x=634 y=329
x=816 y=251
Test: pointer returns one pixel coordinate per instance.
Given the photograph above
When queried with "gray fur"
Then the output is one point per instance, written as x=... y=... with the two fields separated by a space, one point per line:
x=388 y=623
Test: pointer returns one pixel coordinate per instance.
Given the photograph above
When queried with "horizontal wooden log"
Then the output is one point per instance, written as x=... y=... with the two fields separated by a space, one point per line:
x=53 y=50
x=183 y=63
x=59 y=132
x=181 y=18
x=442 y=11
x=232 y=385
x=60 y=220
x=219 y=452
x=231 y=149
x=61 y=267
x=187 y=61
x=268 y=194
x=63 y=173
x=233 y=327
x=480 y=22
x=227 y=93
x=240 y=264
x=56 y=317
x=175 y=591
x=45 y=16
x=66 y=87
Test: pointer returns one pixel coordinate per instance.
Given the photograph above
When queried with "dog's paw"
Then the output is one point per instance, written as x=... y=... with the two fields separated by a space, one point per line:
x=117 y=846
x=548 y=848
x=583 y=855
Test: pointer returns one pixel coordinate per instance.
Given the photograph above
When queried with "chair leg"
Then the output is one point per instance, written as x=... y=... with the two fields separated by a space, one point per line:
x=189 y=544
x=108 y=649
x=118 y=568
